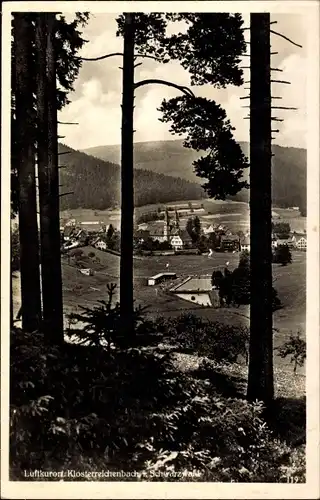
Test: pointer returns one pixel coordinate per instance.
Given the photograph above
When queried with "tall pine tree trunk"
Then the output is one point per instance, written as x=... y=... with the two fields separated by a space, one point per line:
x=260 y=379
x=127 y=196
x=25 y=156
x=48 y=180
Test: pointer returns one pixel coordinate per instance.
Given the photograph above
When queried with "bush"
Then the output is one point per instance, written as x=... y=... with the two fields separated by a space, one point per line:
x=76 y=253
x=282 y=255
x=206 y=338
x=294 y=347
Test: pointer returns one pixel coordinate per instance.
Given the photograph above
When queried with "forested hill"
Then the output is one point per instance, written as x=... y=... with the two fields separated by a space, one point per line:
x=95 y=183
x=289 y=169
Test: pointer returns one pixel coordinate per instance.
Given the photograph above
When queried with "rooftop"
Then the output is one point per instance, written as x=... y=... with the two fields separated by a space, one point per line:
x=202 y=284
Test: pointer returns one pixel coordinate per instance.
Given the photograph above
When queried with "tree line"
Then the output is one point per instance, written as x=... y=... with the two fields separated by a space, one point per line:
x=95 y=184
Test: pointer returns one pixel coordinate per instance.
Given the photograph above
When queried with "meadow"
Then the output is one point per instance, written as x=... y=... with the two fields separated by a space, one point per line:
x=231 y=213
x=289 y=281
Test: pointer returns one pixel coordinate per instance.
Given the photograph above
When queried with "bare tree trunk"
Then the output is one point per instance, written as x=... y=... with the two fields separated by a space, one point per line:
x=25 y=156
x=260 y=379
x=127 y=196
x=48 y=180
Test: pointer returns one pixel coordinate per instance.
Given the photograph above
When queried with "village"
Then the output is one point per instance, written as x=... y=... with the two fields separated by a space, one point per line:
x=174 y=230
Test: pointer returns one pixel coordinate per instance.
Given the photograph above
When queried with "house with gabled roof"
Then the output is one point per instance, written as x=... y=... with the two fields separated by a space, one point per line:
x=245 y=243
x=300 y=240
x=230 y=242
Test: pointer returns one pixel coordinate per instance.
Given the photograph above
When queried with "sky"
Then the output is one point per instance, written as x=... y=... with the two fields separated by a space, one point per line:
x=96 y=100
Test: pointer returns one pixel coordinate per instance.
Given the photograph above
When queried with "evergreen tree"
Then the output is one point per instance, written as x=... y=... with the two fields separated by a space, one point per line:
x=23 y=154
x=282 y=255
x=110 y=232
x=202 y=244
x=193 y=228
x=65 y=41
x=282 y=229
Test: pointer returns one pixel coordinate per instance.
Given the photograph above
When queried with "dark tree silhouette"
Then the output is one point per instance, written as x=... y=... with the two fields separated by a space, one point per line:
x=260 y=378
x=48 y=178
x=193 y=228
x=65 y=41
x=24 y=166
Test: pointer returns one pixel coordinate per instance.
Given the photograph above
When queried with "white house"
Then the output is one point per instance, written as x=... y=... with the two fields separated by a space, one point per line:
x=176 y=242
x=87 y=271
x=71 y=244
x=301 y=243
x=245 y=244
x=208 y=229
x=71 y=222
x=101 y=245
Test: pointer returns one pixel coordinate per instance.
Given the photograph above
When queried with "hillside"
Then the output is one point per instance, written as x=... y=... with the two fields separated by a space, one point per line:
x=171 y=158
x=95 y=183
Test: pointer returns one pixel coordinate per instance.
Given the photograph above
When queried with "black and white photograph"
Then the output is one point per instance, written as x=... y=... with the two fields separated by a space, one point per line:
x=160 y=227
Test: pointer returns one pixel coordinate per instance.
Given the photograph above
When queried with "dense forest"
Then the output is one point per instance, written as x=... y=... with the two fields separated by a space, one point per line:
x=289 y=169
x=94 y=183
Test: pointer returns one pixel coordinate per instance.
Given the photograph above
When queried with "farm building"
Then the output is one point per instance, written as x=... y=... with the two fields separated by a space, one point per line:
x=159 y=278
x=230 y=243
x=198 y=290
x=93 y=226
x=290 y=242
x=87 y=271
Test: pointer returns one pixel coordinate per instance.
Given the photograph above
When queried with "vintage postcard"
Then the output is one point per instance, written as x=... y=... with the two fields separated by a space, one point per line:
x=160 y=250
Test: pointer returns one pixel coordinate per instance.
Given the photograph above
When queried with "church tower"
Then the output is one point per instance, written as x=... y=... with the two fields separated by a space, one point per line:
x=176 y=221
x=166 y=230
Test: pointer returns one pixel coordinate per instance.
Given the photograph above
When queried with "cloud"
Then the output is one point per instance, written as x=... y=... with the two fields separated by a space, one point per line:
x=96 y=101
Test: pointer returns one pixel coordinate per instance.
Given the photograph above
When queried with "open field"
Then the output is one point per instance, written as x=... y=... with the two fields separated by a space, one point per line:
x=80 y=290
x=290 y=282
x=231 y=213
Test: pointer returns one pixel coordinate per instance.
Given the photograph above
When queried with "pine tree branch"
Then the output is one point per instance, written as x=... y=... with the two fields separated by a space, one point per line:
x=280 y=81
x=282 y=107
x=64 y=153
x=67 y=123
x=106 y=56
x=182 y=89
x=65 y=194
x=99 y=58
x=286 y=38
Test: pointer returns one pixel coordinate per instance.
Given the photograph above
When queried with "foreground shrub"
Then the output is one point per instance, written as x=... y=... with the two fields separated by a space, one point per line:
x=212 y=339
x=102 y=325
x=83 y=408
